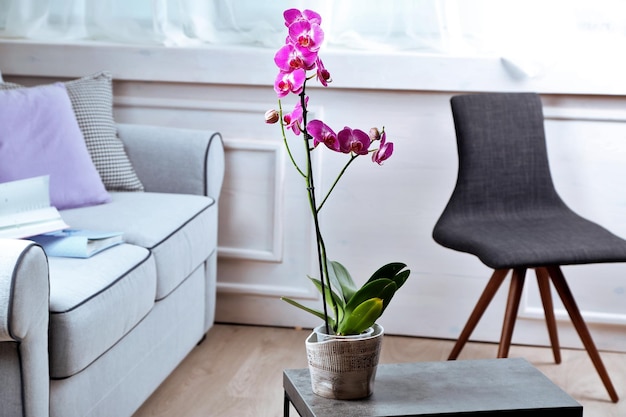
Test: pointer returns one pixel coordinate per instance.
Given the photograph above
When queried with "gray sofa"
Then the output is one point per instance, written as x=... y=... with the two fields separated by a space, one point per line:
x=96 y=336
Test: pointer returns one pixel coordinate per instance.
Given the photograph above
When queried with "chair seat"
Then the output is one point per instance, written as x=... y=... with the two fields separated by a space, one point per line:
x=559 y=238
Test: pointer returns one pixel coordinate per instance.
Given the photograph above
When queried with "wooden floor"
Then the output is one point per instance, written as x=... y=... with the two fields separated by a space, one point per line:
x=237 y=372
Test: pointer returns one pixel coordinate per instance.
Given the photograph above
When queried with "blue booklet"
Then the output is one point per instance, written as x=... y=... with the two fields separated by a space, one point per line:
x=77 y=243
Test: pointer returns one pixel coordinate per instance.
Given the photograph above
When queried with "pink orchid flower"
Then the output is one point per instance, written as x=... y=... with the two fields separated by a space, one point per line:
x=306 y=35
x=291 y=57
x=289 y=82
x=384 y=151
x=322 y=133
x=353 y=140
x=294 y=15
x=323 y=76
x=293 y=120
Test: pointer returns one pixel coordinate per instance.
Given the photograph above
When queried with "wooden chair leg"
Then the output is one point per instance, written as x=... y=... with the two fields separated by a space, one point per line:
x=490 y=290
x=570 y=305
x=510 y=314
x=543 y=280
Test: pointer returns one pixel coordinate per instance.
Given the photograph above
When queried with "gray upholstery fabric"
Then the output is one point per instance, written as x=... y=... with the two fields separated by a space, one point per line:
x=210 y=270
x=162 y=156
x=23 y=329
x=504 y=208
x=174 y=160
x=125 y=376
x=94 y=302
x=11 y=394
x=179 y=229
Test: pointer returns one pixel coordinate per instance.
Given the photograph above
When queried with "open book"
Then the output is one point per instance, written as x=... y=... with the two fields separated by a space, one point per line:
x=77 y=243
x=25 y=208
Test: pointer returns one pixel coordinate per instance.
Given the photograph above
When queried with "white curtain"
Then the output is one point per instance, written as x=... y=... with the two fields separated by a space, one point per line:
x=537 y=30
x=362 y=24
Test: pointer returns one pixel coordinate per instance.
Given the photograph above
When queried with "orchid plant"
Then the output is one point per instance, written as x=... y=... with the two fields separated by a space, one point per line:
x=353 y=309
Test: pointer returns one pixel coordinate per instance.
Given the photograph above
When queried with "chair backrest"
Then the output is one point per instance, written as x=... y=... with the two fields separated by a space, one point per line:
x=503 y=160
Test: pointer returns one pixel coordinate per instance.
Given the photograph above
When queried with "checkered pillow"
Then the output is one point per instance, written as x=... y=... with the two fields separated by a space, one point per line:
x=92 y=101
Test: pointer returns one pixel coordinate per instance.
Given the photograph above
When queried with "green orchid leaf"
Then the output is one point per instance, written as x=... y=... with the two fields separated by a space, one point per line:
x=356 y=309
x=388 y=291
x=332 y=277
x=371 y=289
x=387 y=294
x=342 y=279
x=401 y=278
x=388 y=271
x=317 y=313
x=363 y=316
x=336 y=299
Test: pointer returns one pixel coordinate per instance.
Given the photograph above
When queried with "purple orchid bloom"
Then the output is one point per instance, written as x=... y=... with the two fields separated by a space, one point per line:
x=293 y=120
x=384 y=151
x=322 y=133
x=353 y=140
x=294 y=15
x=307 y=35
x=323 y=76
x=289 y=82
x=291 y=57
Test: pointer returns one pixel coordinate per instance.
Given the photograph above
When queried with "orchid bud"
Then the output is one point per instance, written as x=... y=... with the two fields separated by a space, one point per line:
x=374 y=134
x=271 y=116
x=326 y=75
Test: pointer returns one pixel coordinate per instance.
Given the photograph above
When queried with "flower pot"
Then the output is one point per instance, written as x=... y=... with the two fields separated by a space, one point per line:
x=344 y=367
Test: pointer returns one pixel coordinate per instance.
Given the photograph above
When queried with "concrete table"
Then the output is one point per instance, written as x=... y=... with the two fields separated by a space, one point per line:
x=491 y=387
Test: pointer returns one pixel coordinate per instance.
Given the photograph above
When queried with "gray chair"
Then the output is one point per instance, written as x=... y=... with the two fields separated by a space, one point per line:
x=505 y=210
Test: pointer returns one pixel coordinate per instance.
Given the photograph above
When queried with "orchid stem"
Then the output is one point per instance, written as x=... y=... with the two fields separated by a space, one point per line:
x=282 y=128
x=321 y=248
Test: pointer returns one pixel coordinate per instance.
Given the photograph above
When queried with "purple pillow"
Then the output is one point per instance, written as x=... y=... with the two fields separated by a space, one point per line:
x=39 y=135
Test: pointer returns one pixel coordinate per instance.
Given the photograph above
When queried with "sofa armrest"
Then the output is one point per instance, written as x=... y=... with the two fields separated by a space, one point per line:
x=175 y=160
x=24 y=313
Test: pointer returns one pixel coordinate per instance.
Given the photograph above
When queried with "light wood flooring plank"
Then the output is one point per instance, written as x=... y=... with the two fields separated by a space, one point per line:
x=237 y=372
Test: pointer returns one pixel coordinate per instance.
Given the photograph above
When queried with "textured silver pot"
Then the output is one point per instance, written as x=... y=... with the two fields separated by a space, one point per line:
x=344 y=367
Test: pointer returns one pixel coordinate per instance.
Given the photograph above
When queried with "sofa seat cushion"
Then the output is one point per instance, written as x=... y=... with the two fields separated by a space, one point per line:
x=179 y=229
x=94 y=302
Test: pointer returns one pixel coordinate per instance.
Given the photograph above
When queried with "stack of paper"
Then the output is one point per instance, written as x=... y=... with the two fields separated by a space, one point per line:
x=25 y=208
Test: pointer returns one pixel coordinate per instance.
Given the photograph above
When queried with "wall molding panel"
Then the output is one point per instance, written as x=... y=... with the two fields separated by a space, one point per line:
x=274 y=177
x=190 y=104
x=272 y=291
x=584 y=114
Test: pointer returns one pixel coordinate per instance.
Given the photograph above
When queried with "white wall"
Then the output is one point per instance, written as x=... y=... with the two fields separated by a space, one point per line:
x=379 y=214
